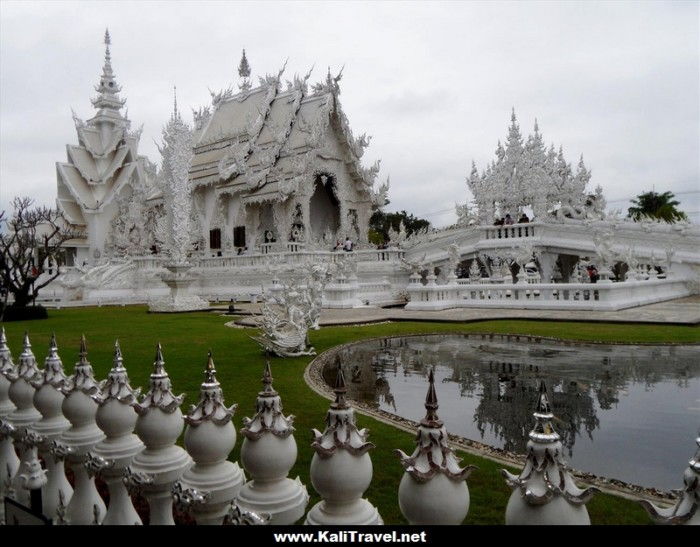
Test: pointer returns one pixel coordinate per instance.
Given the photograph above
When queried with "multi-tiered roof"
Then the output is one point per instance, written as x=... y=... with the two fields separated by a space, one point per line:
x=264 y=141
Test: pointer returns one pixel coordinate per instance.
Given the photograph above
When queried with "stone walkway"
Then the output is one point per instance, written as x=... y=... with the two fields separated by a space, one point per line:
x=683 y=311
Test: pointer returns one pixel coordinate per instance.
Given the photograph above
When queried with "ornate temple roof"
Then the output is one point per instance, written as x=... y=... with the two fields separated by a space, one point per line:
x=262 y=140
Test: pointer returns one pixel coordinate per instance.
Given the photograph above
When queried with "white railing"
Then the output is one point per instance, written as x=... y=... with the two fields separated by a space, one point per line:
x=566 y=296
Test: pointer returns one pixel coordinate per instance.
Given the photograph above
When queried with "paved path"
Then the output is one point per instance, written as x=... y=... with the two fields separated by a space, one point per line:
x=683 y=311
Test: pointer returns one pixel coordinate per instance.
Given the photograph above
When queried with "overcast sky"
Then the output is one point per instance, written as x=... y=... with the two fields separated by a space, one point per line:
x=433 y=83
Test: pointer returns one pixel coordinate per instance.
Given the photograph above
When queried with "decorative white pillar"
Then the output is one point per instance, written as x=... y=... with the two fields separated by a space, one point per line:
x=209 y=438
x=25 y=415
x=48 y=400
x=268 y=453
x=9 y=462
x=685 y=511
x=86 y=505
x=433 y=489
x=341 y=469
x=545 y=493
x=161 y=464
x=116 y=417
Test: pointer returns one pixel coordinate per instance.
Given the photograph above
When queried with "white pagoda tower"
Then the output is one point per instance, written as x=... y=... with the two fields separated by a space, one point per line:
x=102 y=169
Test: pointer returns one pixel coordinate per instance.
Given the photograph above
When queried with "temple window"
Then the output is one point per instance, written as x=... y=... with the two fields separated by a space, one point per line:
x=215 y=238
x=239 y=236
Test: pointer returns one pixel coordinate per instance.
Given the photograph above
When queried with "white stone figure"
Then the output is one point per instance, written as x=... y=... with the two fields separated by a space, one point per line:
x=685 y=511
x=9 y=462
x=285 y=327
x=474 y=272
x=48 y=400
x=175 y=229
x=341 y=469
x=21 y=393
x=545 y=493
x=452 y=262
x=632 y=262
x=268 y=453
x=433 y=490
x=116 y=418
x=670 y=254
x=161 y=464
x=603 y=241
x=209 y=438
x=80 y=409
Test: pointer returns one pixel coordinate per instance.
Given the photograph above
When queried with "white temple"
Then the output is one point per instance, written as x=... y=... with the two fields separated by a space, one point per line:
x=267 y=180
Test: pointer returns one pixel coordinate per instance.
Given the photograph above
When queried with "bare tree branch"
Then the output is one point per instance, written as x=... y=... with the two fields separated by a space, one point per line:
x=30 y=240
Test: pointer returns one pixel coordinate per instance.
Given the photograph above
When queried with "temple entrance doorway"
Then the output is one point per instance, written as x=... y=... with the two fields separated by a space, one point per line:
x=324 y=208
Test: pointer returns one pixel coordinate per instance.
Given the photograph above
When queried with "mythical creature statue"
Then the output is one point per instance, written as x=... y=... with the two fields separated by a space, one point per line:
x=288 y=312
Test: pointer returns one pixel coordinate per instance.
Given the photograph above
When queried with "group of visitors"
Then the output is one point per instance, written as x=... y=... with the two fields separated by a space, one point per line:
x=509 y=221
x=340 y=246
x=242 y=250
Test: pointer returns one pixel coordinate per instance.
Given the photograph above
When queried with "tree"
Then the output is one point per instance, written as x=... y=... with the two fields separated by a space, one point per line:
x=654 y=205
x=29 y=240
x=380 y=223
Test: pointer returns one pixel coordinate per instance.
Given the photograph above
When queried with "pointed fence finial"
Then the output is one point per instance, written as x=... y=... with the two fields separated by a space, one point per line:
x=210 y=371
x=53 y=347
x=27 y=344
x=431 y=403
x=340 y=388
x=118 y=360
x=267 y=378
x=83 y=350
x=159 y=362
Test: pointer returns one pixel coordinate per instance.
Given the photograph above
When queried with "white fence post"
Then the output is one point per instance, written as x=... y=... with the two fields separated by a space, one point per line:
x=268 y=453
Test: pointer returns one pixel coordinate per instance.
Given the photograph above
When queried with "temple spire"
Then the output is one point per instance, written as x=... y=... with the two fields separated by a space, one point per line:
x=176 y=114
x=244 y=73
x=108 y=102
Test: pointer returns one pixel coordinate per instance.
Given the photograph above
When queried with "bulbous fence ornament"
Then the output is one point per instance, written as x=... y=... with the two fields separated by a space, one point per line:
x=22 y=395
x=685 y=511
x=9 y=462
x=48 y=400
x=433 y=490
x=209 y=486
x=341 y=469
x=161 y=464
x=116 y=417
x=80 y=409
x=545 y=492
x=268 y=454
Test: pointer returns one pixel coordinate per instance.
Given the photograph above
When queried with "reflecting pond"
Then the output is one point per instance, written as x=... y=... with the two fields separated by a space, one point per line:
x=628 y=412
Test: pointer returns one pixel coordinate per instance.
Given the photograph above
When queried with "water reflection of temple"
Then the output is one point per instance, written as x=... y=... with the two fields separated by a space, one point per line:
x=501 y=372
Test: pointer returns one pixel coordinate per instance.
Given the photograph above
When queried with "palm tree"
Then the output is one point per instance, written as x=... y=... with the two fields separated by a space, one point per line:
x=654 y=205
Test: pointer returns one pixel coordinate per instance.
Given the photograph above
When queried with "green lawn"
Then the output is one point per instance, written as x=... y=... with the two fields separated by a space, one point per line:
x=186 y=338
